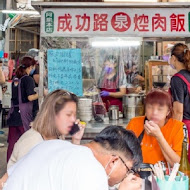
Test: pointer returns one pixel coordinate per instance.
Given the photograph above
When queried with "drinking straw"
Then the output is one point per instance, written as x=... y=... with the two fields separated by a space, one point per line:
x=181 y=178
x=161 y=170
x=169 y=169
x=174 y=172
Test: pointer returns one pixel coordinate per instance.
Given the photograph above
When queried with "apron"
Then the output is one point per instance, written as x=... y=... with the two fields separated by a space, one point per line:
x=108 y=101
x=24 y=108
x=186 y=121
x=111 y=100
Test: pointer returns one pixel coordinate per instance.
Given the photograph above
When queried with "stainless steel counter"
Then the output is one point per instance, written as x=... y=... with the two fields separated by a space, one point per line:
x=93 y=127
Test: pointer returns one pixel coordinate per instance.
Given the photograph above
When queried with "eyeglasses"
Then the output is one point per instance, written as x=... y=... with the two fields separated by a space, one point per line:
x=129 y=171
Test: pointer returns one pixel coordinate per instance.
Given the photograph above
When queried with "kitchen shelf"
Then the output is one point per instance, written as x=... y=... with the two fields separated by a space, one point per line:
x=148 y=72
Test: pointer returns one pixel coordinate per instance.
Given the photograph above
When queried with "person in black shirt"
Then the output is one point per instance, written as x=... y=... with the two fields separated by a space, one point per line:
x=23 y=95
x=180 y=84
x=34 y=53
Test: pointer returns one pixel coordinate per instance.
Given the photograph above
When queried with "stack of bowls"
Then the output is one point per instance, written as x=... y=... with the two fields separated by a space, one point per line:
x=85 y=109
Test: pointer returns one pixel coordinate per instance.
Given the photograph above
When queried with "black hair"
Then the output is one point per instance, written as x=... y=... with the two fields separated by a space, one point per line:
x=25 y=63
x=116 y=138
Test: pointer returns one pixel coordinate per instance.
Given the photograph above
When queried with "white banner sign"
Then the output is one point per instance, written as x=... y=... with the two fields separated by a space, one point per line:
x=143 y=22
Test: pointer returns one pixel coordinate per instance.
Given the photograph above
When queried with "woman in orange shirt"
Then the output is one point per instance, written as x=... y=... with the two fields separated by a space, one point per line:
x=161 y=136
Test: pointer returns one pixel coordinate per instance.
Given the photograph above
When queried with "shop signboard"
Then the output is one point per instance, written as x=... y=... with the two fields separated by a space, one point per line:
x=90 y=22
x=65 y=70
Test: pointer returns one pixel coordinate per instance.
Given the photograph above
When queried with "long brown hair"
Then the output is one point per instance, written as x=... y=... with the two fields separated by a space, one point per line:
x=52 y=105
x=182 y=53
x=25 y=63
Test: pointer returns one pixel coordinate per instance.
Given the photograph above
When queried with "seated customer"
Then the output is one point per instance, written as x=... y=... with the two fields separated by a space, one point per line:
x=54 y=120
x=161 y=135
x=58 y=165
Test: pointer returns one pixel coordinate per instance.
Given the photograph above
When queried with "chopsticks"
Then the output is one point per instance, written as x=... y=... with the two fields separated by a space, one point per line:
x=159 y=171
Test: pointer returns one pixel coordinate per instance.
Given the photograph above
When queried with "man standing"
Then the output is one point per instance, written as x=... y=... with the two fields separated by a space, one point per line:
x=59 y=165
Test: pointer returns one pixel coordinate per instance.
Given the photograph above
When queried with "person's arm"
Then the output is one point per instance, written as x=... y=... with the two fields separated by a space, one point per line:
x=2 y=76
x=36 y=78
x=139 y=77
x=122 y=91
x=3 y=180
x=36 y=75
x=178 y=111
x=170 y=155
x=33 y=97
x=178 y=90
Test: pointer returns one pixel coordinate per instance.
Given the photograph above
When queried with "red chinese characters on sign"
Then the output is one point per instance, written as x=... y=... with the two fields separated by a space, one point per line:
x=158 y=22
x=121 y=22
x=83 y=22
x=141 y=23
x=100 y=22
x=64 y=23
x=177 y=22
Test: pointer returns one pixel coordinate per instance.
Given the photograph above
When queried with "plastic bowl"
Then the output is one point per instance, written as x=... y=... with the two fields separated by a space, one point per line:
x=154 y=57
x=159 y=84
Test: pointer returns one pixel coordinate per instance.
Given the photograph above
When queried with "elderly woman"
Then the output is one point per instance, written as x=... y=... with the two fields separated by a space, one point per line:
x=161 y=136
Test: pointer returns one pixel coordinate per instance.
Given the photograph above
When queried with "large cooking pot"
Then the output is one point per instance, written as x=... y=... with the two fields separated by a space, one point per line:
x=133 y=105
x=133 y=111
x=133 y=99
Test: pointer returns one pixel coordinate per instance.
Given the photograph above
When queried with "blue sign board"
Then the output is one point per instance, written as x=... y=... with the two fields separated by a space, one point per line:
x=65 y=70
x=1 y=54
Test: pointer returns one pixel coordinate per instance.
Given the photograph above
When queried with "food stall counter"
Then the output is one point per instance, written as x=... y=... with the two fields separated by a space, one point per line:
x=93 y=127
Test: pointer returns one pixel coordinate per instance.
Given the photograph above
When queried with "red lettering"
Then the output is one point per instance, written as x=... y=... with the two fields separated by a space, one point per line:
x=141 y=23
x=100 y=22
x=84 y=24
x=177 y=22
x=64 y=23
x=121 y=22
x=158 y=22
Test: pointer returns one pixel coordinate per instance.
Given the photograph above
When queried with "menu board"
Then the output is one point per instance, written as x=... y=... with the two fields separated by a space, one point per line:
x=65 y=70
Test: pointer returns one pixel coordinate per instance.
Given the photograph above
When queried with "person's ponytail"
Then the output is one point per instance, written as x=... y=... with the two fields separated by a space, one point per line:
x=187 y=59
x=25 y=63
x=21 y=71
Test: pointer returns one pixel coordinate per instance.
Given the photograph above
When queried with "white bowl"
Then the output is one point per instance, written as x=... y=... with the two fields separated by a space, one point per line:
x=84 y=102
x=84 y=107
x=85 y=118
x=85 y=113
